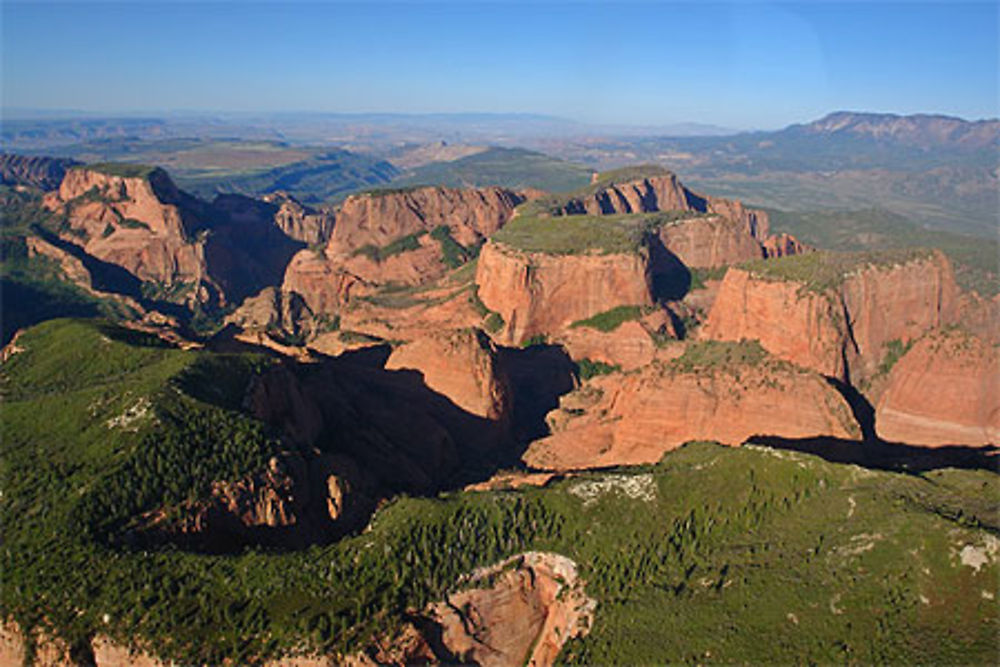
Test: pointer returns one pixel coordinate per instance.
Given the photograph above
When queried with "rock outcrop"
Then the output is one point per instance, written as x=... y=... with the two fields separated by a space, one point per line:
x=944 y=391
x=295 y=501
x=539 y=294
x=275 y=311
x=407 y=236
x=634 y=419
x=301 y=222
x=712 y=241
x=835 y=313
x=461 y=365
x=140 y=222
x=520 y=611
x=382 y=217
x=721 y=231
x=628 y=346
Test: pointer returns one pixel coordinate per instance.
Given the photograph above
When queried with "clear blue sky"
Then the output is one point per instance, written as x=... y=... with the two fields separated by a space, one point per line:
x=740 y=65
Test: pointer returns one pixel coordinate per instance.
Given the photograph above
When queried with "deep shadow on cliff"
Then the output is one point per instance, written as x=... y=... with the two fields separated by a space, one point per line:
x=356 y=435
x=892 y=456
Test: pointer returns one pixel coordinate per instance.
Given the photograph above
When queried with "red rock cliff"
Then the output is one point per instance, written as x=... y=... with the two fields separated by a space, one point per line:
x=461 y=365
x=139 y=223
x=537 y=293
x=849 y=322
x=944 y=391
x=634 y=419
x=330 y=278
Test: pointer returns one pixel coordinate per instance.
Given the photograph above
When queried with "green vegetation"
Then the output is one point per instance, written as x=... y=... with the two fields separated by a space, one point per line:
x=607 y=179
x=132 y=223
x=120 y=169
x=537 y=339
x=504 y=167
x=753 y=555
x=589 y=368
x=351 y=337
x=388 y=191
x=975 y=258
x=172 y=292
x=894 y=351
x=455 y=254
x=320 y=177
x=395 y=247
x=577 y=234
x=699 y=277
x=493 y=323
x=820 y=271
x=610 y=320
x=710 y=354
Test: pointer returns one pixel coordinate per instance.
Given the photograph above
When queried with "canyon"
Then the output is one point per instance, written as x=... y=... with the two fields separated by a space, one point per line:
x=409 y=347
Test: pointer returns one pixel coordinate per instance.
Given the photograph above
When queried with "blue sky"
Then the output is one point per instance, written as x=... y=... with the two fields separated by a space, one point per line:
x=743 y=65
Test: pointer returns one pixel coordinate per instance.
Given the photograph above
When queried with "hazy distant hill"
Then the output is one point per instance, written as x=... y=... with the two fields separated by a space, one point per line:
x=921 y=130
x=937 y=171
x=506 y=167
x=44 y=173
x=317 y=179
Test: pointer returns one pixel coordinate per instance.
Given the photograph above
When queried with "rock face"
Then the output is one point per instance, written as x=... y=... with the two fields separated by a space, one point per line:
x=381 y=218
x=301 y=222
x=537 y=293
x=274 y=310
x=293 y=502
x=658 y=190
x=358 y=255
x=783 y=245
x=712 y=241
x=463 y=366
x=185 y=249
x=729 y=232
x=634 y=419
x=944 y=391
x=524 y=618
x=535 y=603
x=142 y=223
x=980 y=315
x=841 y=330
x=629 y=345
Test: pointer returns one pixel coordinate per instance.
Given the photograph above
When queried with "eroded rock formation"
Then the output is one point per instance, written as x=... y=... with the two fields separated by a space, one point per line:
x=461 y=365
x=433 y=227
x=840 y=329
x=141 y=223
x=540 y=294
x=944 y=391
x=636 y=418
x=520 y=611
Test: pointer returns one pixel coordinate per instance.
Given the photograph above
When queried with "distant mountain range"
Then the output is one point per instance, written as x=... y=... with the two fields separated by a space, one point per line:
x=922 y=130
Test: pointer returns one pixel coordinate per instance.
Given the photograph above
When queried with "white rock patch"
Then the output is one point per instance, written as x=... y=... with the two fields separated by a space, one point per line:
x=976 y=557
x=127 y=420
x=636 y=487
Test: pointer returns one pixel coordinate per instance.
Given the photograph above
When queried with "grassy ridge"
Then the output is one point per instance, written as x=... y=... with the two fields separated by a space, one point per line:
x=820 y=271
x=575 y=234
x=610 y=320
